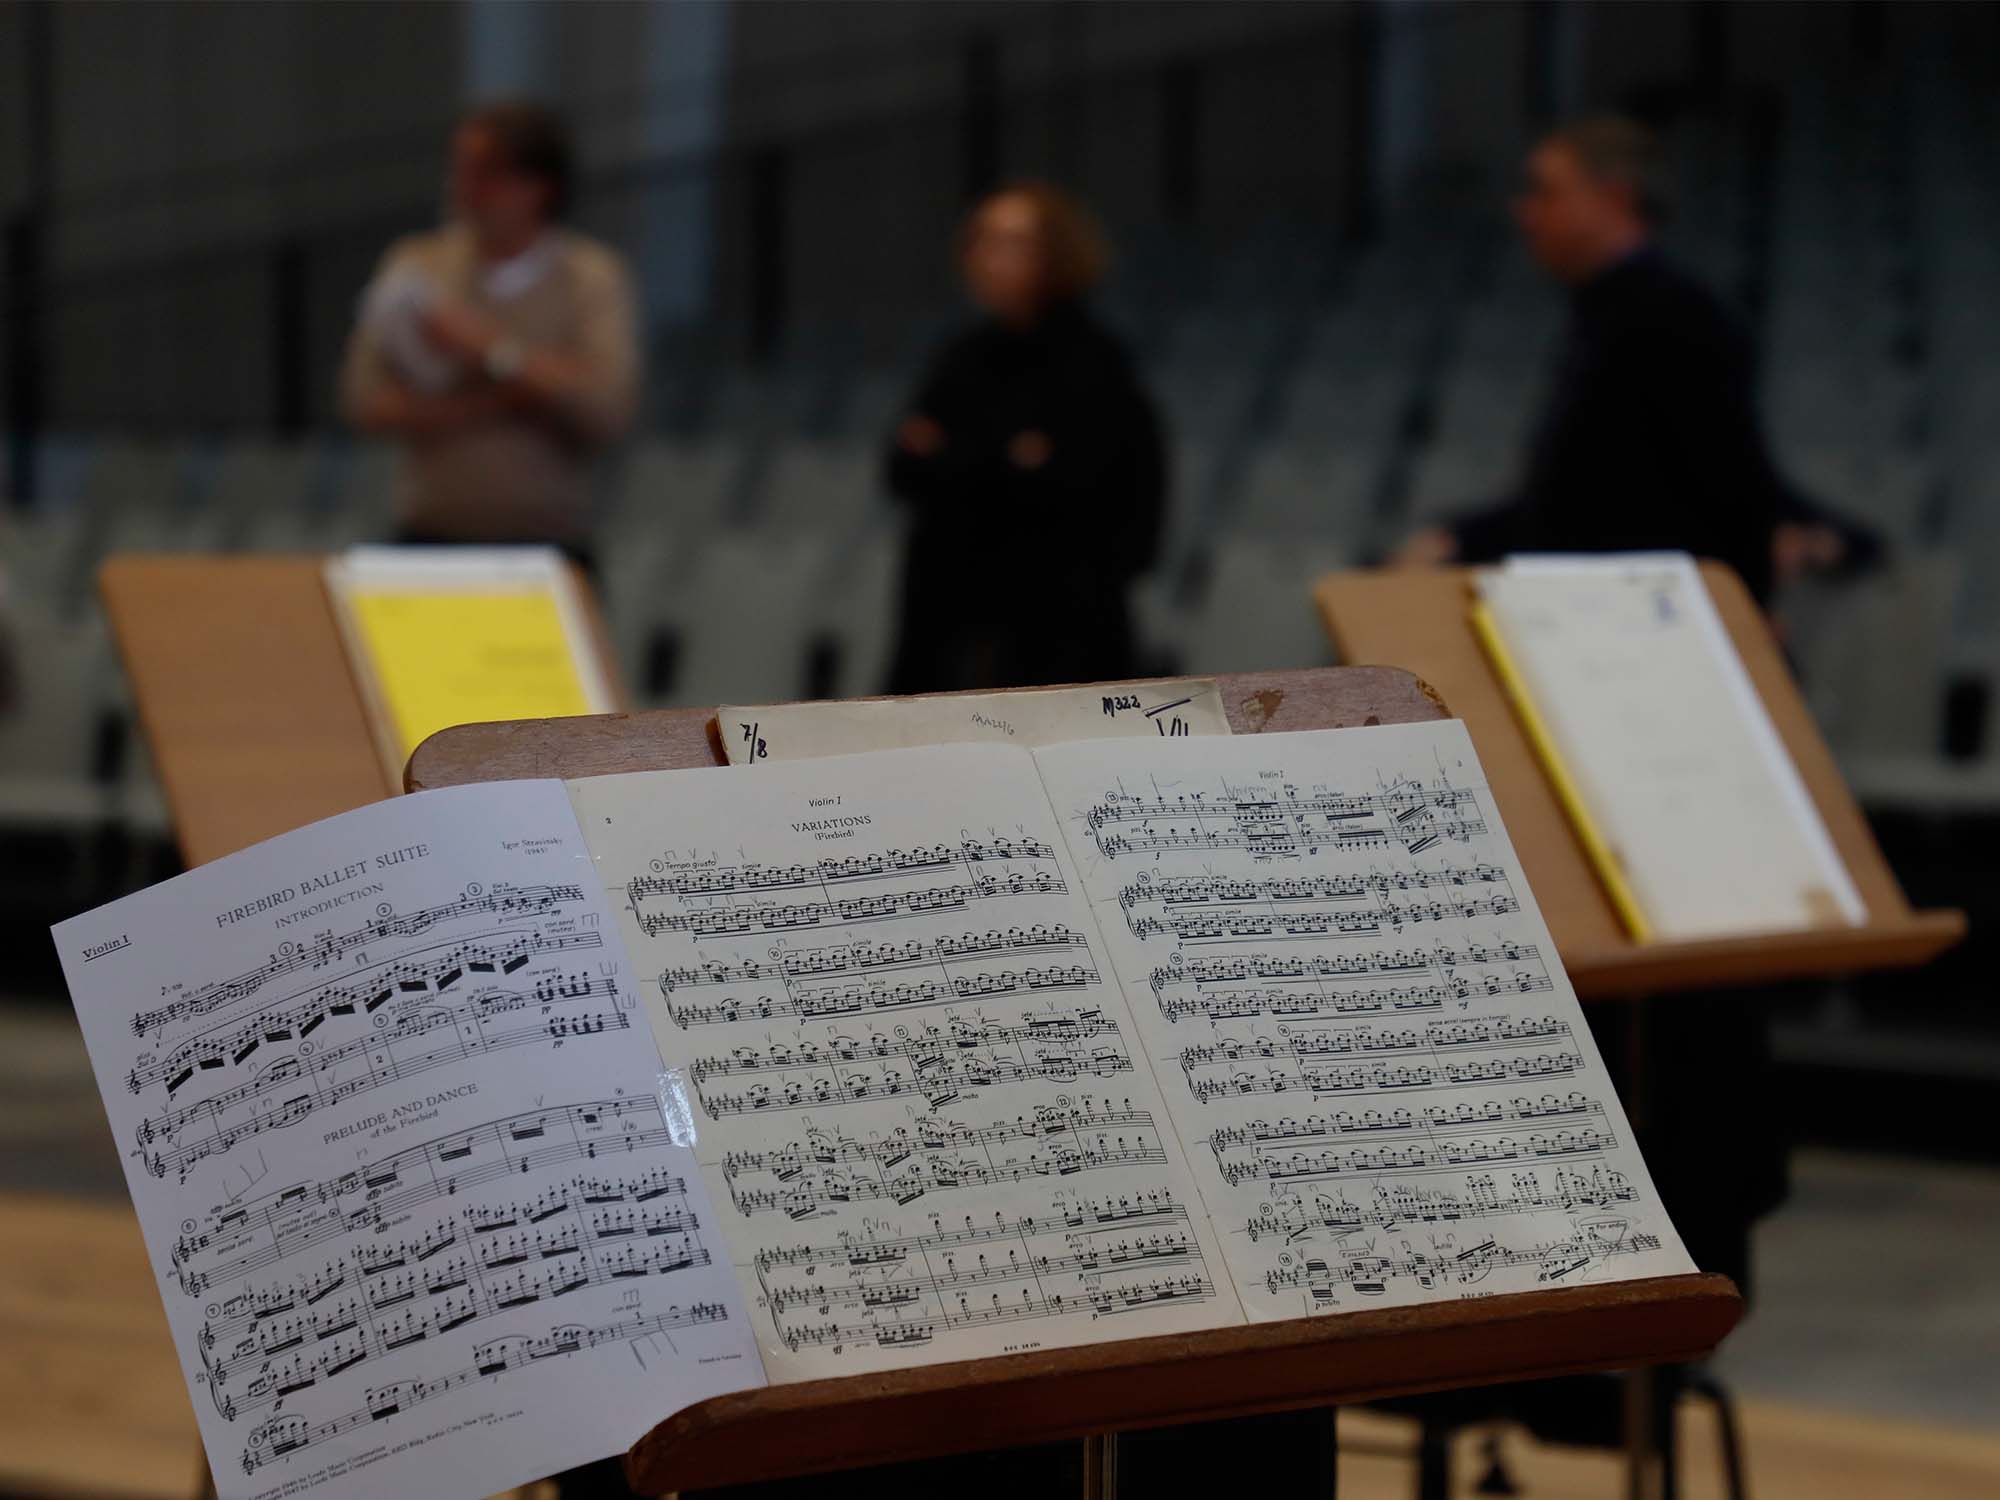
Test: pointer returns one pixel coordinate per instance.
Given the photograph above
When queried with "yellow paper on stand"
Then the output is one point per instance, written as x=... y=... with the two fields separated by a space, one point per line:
x=445 y=659
x=441 y=641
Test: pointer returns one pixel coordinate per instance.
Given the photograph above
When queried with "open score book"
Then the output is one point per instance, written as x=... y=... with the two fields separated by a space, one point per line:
x=474 y=1132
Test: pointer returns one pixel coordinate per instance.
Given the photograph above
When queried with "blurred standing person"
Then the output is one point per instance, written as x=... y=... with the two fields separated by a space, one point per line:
x=1031 y=461
x=1650 y=436
x=501 y=349
x=1650 y=439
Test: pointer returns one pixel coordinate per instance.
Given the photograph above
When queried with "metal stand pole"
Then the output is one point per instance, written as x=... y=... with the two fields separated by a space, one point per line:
x=1100 y=1466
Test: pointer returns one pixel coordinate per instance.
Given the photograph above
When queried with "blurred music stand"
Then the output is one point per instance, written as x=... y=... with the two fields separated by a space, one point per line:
x=246 y=695
x=815 y=1426
x=1418 y=620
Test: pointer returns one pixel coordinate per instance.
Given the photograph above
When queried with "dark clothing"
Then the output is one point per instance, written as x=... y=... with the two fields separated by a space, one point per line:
x=582 y=555
x=1650 y=438
x=1018 y=577
x=1862 y=547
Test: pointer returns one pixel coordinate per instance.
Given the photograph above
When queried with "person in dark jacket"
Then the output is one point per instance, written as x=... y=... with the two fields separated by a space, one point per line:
x=1032 y=465
x=1650 y=437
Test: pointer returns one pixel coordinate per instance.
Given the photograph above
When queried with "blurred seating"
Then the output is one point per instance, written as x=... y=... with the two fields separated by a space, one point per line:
x=747 y=614
x=51 y=745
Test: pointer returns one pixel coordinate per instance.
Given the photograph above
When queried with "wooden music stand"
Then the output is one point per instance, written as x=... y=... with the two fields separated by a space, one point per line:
x=244 y=693
x=244 y=689
x=813 y=1426
x=1418 y=619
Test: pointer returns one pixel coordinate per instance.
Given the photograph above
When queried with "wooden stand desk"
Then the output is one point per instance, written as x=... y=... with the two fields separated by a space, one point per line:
x=244 y=689
x=1418 y=620
x=813 y=1426
x=245 y=695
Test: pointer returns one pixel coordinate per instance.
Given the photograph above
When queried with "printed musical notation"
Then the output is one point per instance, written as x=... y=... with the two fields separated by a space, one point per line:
x=412 y=1039
x=738 y=919
x=890 y=1289
x=1342 y=982
x=965 y=854
x=1231 y=1065
x=294 y=957
x=420 y=975
x=254 y=1233
x=384 y=1164
x=274 y=1340
x=885 y=996
x=936 y=1156
x=1345 y=984
x=1200 y=910
x=1446 y=1264
x=1333 y=1215
x=280 y=1436
x=1410 y=813
x=785 y=989
x=940 y=1063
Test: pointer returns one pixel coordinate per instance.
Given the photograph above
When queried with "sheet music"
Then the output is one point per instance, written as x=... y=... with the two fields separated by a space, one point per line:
x=1044 y=716
x=914 y=1081
x=390 y=1121
x=1658 y=723
x=1383 y=1079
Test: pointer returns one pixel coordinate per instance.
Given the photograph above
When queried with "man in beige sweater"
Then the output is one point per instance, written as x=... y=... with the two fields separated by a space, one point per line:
x=502 y=349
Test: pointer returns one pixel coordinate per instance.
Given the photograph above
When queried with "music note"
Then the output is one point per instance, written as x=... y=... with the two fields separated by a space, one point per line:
x=372 y=1109
x=1337 y=956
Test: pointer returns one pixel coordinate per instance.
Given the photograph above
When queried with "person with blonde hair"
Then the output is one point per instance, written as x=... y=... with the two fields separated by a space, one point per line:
x=1031 y=462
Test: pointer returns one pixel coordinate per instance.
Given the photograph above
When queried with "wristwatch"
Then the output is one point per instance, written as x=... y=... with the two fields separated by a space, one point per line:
x=504 y=358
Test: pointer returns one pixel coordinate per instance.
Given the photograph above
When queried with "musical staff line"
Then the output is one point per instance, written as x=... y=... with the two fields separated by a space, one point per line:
x=294 y=1335
x=388 y=981
x=1290 y=824
x=902 y=1290
x=317 y=953
x=1392 y=1205
x=283 y=1435
x=863 y=956
x=257 y=1233
x=315 y=1074
x=965 y=855
x=734 y=919
x=1369 y=1275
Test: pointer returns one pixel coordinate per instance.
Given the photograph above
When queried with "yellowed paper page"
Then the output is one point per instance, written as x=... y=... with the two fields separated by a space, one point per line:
x=914 y=1085
x=1383 y=1080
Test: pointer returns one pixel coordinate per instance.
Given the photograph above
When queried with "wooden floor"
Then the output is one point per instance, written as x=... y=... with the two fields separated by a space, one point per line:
x=1794 y=1453
x=92 y=1401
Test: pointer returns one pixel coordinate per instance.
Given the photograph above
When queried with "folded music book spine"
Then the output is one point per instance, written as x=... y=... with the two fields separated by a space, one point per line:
x=1603 y=859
